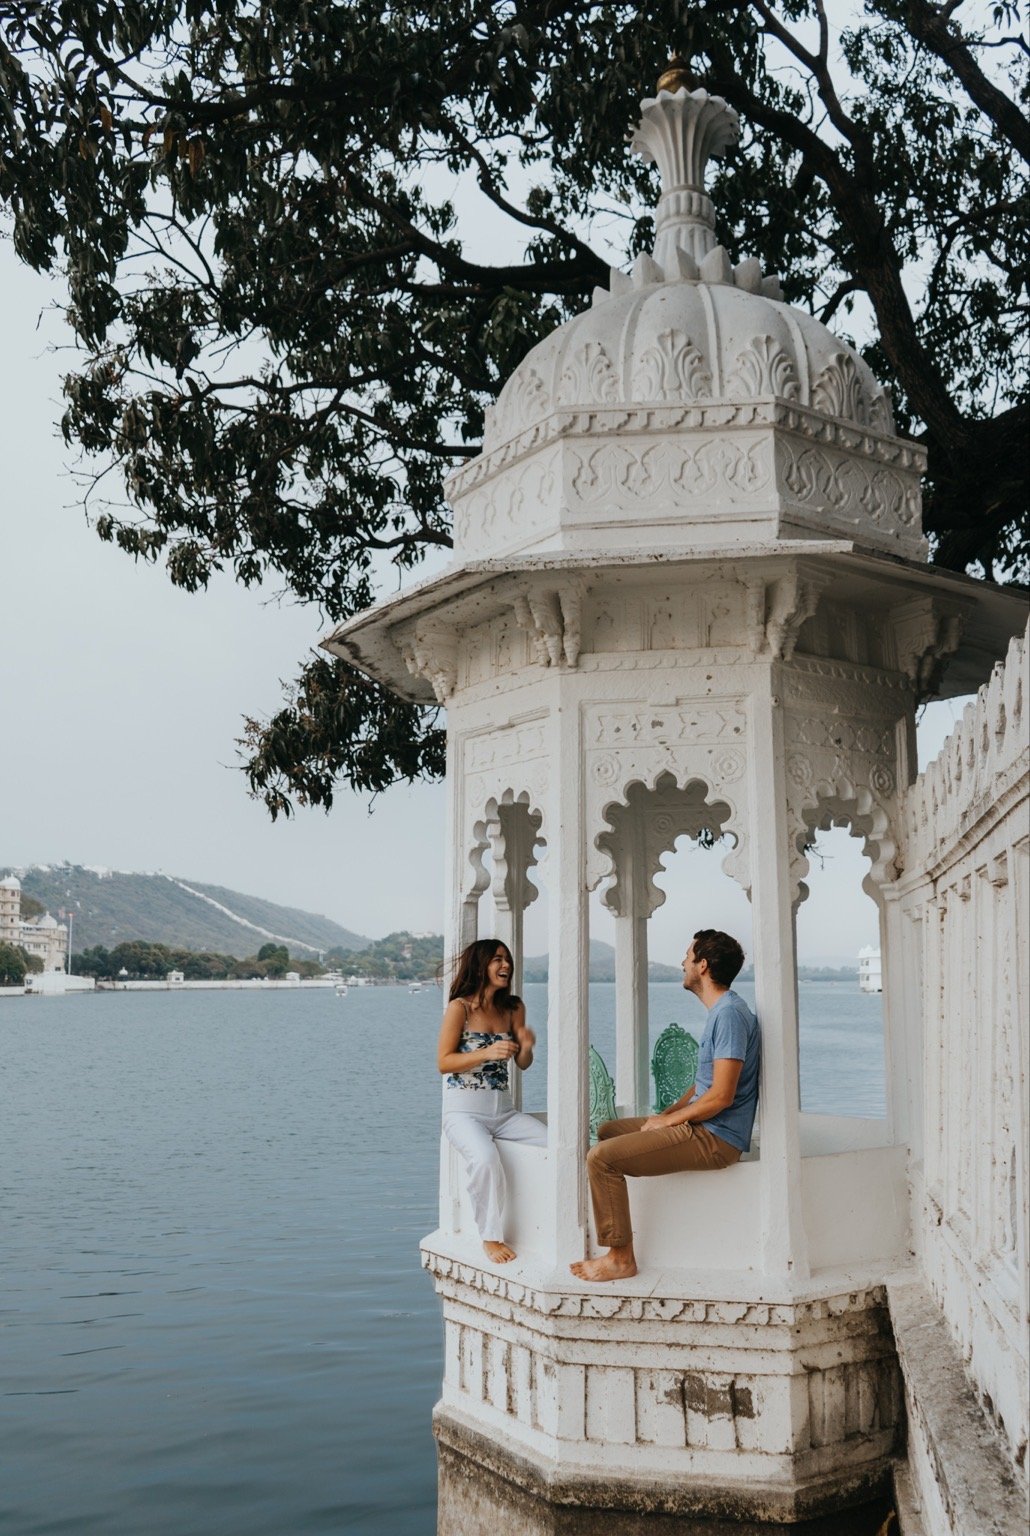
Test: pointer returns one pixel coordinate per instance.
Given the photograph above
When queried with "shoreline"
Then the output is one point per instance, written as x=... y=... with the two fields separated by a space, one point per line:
x=248 y=984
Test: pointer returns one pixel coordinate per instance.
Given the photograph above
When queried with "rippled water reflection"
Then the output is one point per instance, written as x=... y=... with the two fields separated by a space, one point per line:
x=213 y=1320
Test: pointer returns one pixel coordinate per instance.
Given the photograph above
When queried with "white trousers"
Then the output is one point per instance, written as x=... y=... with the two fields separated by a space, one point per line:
x=474 y=1120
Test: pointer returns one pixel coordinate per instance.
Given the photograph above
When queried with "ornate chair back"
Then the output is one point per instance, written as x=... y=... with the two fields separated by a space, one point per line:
x=673 y=1066
x=602 y=1094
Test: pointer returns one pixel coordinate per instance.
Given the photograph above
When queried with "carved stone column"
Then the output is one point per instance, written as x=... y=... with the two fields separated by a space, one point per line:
x=632 y=1066
x=784 y=1244
x=514 y=839
x=568 y=1097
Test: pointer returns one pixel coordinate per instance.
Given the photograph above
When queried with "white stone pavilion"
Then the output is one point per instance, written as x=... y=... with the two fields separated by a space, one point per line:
x=689 y=592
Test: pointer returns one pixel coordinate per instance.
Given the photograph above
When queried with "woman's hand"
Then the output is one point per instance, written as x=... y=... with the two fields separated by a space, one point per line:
x=501 y=1050
x=526 y=1041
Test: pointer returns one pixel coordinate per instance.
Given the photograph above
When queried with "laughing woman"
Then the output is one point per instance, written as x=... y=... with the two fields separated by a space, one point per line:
x=484 y=1028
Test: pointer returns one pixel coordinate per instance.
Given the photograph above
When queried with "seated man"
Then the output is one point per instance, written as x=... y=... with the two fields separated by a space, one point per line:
x=709 y=1127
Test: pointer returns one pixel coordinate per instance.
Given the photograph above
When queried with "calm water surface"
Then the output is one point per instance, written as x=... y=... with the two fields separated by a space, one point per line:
x=213 y=1322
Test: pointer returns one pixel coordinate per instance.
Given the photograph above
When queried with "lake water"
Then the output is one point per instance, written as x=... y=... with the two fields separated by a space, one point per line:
x=213 y=1321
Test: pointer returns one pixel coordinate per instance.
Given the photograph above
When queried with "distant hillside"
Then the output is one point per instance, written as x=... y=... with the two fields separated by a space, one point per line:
x=112 y=906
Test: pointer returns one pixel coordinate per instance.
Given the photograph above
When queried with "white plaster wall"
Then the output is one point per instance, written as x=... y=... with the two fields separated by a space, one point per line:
x=964 y=898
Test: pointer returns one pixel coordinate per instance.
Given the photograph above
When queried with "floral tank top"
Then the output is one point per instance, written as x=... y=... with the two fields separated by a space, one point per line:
x=492 y=1074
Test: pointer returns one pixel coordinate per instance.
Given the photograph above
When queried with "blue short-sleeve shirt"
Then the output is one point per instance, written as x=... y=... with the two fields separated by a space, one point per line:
x=731 y=1032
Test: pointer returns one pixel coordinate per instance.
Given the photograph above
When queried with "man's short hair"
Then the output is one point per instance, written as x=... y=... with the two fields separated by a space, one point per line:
x=724 y=955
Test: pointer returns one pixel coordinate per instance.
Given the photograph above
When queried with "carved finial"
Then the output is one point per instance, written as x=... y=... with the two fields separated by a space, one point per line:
x=681 y=130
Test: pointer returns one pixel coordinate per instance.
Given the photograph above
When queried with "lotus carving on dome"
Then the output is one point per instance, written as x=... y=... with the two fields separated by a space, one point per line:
x=841 y=390
x=589 y=377
x=672 y=368
x=763 y=368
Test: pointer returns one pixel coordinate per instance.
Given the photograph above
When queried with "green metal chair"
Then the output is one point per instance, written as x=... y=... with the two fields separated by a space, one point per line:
x=673 y=1066
x=602 y=1094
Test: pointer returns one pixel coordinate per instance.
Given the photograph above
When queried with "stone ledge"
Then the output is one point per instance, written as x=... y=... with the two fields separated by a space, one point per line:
x=976 y=1487
x=745 y=1508
x=699 y=1296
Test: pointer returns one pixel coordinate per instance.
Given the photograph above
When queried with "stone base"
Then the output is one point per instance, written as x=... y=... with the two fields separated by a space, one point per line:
x=485 y=1488
x=699 y=1406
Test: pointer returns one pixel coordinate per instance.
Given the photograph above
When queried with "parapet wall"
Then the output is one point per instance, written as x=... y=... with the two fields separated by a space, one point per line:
x=963 y=924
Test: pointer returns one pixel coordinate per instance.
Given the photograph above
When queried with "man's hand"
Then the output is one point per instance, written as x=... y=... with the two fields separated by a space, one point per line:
x=655 y=1123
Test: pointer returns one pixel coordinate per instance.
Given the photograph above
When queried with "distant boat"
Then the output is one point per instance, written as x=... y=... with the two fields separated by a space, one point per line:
x=416 y=986
x=341 y=990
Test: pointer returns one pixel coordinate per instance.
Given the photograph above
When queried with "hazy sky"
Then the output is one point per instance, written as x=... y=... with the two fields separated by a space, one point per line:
x=121 y=699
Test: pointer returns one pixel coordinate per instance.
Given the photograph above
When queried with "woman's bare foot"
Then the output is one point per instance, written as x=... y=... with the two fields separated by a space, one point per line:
x=499 y=1253
x=616 y=1264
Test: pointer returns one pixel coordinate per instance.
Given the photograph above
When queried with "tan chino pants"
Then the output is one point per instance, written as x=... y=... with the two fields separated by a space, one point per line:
x=624 y=1149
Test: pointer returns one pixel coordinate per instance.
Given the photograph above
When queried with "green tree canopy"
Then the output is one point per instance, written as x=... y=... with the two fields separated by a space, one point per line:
x=264 y=210
x=13 y=965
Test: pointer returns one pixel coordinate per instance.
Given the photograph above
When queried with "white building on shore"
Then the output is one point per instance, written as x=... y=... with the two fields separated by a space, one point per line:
x=43 y=937
x=870 y=973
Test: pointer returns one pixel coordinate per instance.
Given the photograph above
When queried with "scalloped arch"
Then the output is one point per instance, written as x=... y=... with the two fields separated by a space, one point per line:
x=648 y=820
x=843 y=803
x=497 y=832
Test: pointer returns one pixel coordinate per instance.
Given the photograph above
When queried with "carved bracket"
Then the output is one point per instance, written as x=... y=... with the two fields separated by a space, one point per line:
x=553 y=620
x=430 y=650
x=927 y=631
x=793 y=599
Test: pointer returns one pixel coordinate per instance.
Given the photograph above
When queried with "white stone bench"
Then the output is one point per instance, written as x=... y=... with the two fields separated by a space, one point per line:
x=854 y=1190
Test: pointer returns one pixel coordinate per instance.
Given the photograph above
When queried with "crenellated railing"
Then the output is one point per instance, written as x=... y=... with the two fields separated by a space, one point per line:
x=980 y=765
x=957 y=940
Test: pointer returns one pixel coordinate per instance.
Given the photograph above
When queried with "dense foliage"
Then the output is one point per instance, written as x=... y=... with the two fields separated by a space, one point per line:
x=15 y=964
x=398 y=957
x=268 y=213
x=139 y=960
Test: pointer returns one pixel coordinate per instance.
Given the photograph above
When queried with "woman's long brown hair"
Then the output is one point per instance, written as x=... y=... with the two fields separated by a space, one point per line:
x=470 y=975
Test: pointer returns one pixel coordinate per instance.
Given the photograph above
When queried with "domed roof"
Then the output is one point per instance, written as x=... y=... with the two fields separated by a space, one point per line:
x=671 y=341
x=690 y=408
x=686 y=326
x=11 y=883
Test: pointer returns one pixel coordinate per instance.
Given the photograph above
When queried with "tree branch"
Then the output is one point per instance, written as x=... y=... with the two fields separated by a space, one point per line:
x=934 y=30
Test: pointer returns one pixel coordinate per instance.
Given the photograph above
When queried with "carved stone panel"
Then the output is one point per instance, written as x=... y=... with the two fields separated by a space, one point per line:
x=631 y=744
x=730 y=469
x=511 y=508
x=842 y=771
x=510 y=762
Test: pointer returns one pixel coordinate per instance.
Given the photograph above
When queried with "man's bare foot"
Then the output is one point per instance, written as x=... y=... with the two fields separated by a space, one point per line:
x=616 y=1264
x=499 y=1253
